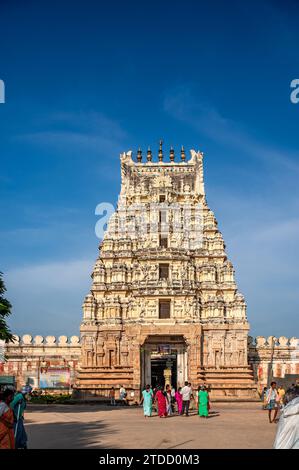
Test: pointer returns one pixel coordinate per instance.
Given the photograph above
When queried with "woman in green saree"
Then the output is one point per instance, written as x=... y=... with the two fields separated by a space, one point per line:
x=203 y=402
x=147 y=400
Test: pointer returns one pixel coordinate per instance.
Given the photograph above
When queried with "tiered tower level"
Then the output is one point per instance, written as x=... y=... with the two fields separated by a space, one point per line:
x=164 y=304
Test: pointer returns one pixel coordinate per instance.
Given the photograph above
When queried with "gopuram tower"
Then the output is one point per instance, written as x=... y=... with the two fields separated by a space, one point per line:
x=164 y=305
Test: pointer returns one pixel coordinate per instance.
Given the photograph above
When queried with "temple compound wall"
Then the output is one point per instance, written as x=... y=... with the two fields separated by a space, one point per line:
x=270 y=359
x=39 y=360
x=274 y=359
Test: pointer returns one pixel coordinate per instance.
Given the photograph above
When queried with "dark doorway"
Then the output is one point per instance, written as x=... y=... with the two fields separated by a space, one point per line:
x=159 y=364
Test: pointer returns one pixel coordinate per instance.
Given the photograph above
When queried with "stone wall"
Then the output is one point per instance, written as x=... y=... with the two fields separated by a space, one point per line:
x=270 y=358
x=27 y=357
x=273 y=359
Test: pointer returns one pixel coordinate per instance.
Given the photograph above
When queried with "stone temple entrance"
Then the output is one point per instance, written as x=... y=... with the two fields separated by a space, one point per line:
x=164 y=370
x=164 y=361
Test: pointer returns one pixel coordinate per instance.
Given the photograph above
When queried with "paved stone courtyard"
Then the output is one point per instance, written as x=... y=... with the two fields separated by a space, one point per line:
x=231 y=425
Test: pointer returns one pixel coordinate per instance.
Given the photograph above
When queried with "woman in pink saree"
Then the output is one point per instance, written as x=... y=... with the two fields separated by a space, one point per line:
x=161 y=400
x=179 y=400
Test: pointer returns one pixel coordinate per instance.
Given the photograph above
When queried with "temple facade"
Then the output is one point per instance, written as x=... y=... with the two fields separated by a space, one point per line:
x=164 y=306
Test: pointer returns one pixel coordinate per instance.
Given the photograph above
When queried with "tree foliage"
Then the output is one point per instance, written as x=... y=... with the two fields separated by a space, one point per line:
x=5 y=311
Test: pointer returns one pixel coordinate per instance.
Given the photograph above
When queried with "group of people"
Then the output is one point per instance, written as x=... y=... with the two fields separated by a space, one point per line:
x=276 y=399
x=12 y=431
x=122 y=396
x=169 y=401
x=273 y=400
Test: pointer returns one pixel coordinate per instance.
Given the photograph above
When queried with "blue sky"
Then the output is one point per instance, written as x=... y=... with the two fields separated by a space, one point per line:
x=85 y=82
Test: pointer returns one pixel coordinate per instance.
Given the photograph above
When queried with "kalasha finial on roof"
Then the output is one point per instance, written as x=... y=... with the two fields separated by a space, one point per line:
x=139 y=155
x=149 y=155
x=160 y=154
x=171 y=154
x=183 y=155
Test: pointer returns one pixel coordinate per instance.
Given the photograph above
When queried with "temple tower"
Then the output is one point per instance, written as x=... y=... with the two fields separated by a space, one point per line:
x=164 y=305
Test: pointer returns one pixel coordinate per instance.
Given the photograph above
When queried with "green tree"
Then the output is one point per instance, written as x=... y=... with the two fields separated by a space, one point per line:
x=5 y=311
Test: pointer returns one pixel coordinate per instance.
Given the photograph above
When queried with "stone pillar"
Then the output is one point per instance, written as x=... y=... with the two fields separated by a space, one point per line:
x=180 y=367
x=136 y=355
x=167 y=376
x=147 y=367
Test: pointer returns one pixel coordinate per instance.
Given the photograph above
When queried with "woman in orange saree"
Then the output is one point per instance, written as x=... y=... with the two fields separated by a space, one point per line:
x=7 y=438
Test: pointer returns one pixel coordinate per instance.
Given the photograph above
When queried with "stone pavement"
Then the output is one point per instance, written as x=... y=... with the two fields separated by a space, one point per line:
x=231 y=425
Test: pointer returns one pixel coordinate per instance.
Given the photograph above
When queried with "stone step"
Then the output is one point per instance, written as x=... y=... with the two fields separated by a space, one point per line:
x=220 y=378
x=227 y=370
x=217 y=386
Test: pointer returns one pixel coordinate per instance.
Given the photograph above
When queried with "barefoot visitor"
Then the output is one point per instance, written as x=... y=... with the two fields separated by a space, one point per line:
x=161 y=403
x=272 y=400
x=147 y=400
x=203 y=402
x=18 y=405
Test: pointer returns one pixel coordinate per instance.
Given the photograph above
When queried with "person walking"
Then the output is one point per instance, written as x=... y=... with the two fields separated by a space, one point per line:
x=7 y=438
x=203 y=402
x=179 y=400
x=147 y=400
x=18 y=405
x=168 y=400
x=161 y=403
x=123 y=395
x=272 y=400
x=112 y=396
x=186 y=394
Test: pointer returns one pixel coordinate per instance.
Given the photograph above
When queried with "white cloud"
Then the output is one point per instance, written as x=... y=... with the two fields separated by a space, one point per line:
x=282 y=231
x=47 y=298
x=78 y=132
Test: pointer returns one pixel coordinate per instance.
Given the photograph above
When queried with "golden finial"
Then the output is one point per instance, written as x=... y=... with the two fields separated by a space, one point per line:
x=171 y=154
x=160 y=154
x=149 y=155
x=139 y=155
x=183 y=155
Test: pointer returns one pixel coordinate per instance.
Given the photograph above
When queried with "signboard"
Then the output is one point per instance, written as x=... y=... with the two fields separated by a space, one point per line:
x=31 y=378
x=55 y=378
x=7 y=380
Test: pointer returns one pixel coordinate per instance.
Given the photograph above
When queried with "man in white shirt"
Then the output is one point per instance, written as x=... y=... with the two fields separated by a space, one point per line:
x=272 y=399
x=186 y=395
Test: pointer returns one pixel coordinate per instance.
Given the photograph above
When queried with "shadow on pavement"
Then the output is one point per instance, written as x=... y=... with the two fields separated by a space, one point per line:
x=74 y=408
x=70 y=435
